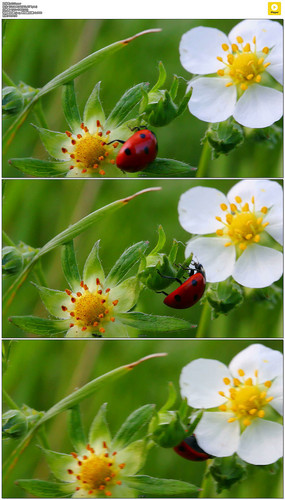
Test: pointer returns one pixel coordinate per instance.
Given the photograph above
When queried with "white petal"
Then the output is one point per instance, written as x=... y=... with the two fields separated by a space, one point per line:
x=268 y=362
x=217 y=260
x=275 y=219
x=275 y=57
x=199 y=49
x=268 y=33
x=211 y=100
x=200 y=382
x=216 y=436
x=198 y=208
x=276 y=391
x=258 y=266
x=261 y=443
x=76 y=332
x=259 y=107
x=266 y=193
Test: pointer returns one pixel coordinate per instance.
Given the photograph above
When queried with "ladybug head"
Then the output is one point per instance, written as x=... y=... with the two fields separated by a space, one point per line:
x=196 y=268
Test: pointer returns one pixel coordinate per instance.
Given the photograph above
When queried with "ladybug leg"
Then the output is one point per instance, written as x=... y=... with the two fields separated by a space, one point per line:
x=166 y=294
x=169 y=277
x=116 y=140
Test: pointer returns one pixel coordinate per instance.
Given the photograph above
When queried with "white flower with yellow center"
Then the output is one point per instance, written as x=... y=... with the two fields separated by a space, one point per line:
x=239 y=227
x=242 y=65
x=246 y=398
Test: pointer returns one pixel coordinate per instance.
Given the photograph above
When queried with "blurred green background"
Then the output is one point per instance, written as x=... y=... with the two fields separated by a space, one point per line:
x=35 y=51
x=41 y=372
x=34 y=211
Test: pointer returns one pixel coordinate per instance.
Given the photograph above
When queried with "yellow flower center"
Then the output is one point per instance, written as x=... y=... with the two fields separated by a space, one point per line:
x=247 y=398
x=96 y=473
x=244 y=65
x=90 y=310
x=90 y=152
x=243 y=224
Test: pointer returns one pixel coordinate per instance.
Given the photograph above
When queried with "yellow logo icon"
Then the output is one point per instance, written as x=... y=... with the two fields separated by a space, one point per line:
x=274 y=8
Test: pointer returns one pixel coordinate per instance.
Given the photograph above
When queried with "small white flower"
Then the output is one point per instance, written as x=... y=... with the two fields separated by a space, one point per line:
x=241 y=63
x=242 y=220
x=243 y=396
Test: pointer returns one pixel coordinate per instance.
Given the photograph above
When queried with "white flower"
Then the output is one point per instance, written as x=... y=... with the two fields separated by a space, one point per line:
x=242 y=220
x=243 y=395
x=241 y=62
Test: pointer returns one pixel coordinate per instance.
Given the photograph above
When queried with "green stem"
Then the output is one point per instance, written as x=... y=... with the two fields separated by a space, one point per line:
x=7 y=80
x=9 y=400
x=39 y=275
x=206 y=485
x=204 y=160
x=38 y=111
x=42 y=438
x=204 y=321
x=7 y=240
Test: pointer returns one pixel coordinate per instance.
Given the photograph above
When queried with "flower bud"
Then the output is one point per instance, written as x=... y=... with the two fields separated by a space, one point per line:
x=12 y=261
x=224 y=137
x=224 y=296
x=167 y=429
x=14 y=424
x=157 y=267
x=12 y=101
x=158 y=107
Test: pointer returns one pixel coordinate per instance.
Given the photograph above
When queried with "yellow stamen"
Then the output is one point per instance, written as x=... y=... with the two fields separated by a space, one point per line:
x=238 y=199
x=250 y=77
x=266 y=64
x=268 y=383
x=265 y=50
x=246 y=422
x=229 y=84
x=230 y=58
x=221 y=72
x=228 y=244
x=230 y=420
x=233 y=207
x=261 y=413
x=241 y=372
x=223 y=206
x=243 y=86
x=227 y=381
x=264 y=210
x=258 y=78
x=248 y=381
x=234 y=47
x=225 y=47
x=219 y=232
x=220 y=58
x=246 y=47
x=239 y=39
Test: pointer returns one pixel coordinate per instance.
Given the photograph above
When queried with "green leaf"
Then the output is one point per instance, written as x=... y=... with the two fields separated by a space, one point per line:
x=93 y=110
x=133 y=426
x=40 y=326
x=45 y=489
x=161 y=77
x=76 y=430
x=53 y=142
x=40 y=168
x=99 y=430
x=93 y=268
x=125 y=105
x=161 y=241
x=89 y=62
x=69 y=75
x=70 y=108
x=156 y=487
x=172 y=396
x=69 y=265
x=84 y=223
x=125 y=262
x=165 y=167
x=91 y=387
x=149 y=323
x=59 y=463
x=53 y=300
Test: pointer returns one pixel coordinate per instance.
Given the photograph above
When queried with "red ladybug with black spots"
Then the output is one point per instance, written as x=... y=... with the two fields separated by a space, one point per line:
x=190 y=450
x=190 y=291
x=138 y=151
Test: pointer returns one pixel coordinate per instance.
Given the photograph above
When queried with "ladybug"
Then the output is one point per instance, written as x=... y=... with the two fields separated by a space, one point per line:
x=138 y=151
x=190 y=450
x=190 y=291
